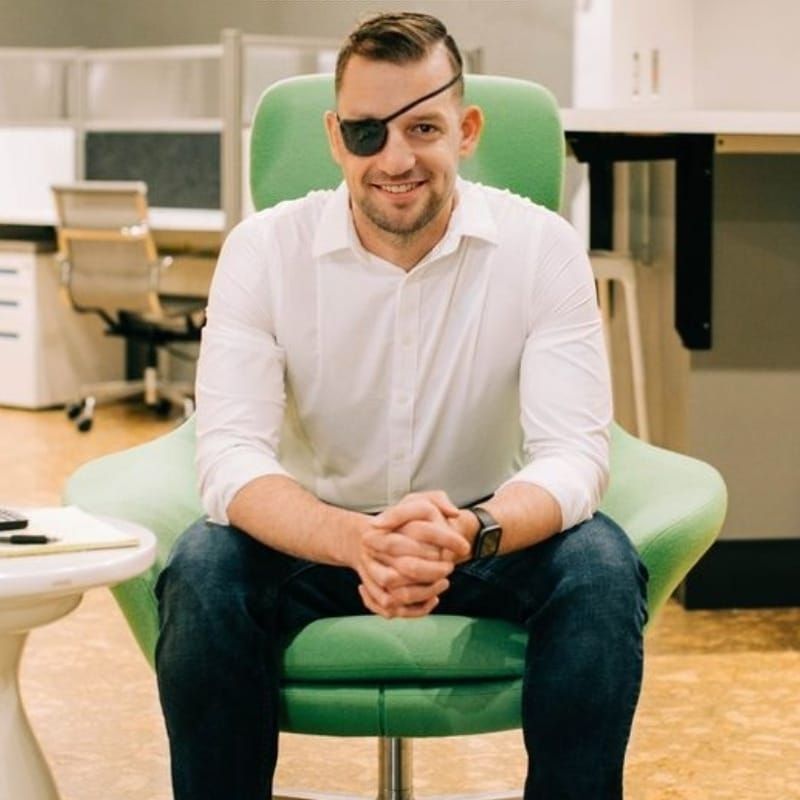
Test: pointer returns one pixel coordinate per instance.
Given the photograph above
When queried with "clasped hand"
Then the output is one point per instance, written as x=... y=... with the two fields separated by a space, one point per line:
x=406 y=554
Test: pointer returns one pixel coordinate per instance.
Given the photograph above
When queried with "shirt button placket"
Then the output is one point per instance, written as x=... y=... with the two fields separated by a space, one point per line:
x=401 y=435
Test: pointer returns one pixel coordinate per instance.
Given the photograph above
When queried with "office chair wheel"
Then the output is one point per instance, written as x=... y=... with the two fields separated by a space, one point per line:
x=74 y=409
x=82 y=413
x=163 y=407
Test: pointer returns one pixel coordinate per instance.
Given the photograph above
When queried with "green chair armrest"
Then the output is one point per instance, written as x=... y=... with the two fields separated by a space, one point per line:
x=672 y=507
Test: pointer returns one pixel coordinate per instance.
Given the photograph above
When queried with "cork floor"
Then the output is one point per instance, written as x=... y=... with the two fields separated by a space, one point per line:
x=719 y=716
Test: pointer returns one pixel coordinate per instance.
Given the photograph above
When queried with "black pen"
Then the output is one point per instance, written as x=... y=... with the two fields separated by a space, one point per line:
x=27 y=538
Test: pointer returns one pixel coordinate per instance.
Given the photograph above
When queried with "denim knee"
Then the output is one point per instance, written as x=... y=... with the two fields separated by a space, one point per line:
x=206 y=558
x=599 y=567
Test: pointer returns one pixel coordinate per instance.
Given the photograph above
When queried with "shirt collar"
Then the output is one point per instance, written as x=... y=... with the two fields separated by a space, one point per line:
x=471 y=217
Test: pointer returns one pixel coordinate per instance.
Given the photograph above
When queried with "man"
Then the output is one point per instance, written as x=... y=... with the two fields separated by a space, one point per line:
x=378 y=361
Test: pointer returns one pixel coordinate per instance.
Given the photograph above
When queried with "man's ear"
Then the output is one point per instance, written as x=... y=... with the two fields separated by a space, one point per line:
x=471 y=127
x=334 y=136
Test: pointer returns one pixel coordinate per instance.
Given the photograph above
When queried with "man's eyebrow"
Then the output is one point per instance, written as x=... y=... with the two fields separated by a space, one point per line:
x=421 y=116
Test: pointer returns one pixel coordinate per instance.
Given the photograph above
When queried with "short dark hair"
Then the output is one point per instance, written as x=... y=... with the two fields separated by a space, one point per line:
x=400 y=38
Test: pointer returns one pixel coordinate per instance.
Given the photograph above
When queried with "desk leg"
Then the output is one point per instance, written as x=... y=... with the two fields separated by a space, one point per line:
x=24 y=774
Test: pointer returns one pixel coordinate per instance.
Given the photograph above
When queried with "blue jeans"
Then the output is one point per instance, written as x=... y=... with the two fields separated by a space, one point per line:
x=228 y=604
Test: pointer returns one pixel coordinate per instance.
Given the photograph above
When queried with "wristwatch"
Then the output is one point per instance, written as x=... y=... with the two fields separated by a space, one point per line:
x=487 y=540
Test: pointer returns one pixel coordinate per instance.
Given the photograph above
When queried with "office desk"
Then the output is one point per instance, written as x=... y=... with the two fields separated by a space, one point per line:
x=196 y=231
x=692 y=139
x=190 y=229
x=733 y=404
x=48 y=348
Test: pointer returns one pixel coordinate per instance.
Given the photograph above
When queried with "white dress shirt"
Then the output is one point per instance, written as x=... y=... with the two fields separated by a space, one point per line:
x=484 y=364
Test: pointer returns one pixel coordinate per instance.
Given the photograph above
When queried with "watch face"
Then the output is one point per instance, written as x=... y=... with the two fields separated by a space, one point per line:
x=489 y=542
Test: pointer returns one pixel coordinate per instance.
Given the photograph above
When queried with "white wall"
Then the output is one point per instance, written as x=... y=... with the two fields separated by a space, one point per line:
x=523 y=38
x=38 y=23
x=746 y=54
x=713 y=54
x=109 y=23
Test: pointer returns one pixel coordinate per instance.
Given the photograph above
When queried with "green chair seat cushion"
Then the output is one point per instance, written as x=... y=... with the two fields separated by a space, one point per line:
x=435 y=648
x=401 y=709
x=437 y=676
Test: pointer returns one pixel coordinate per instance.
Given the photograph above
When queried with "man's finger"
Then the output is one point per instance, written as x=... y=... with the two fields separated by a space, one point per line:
x=398 y=544
x=371 y=605
x=418 y=570
x=417 y=594
x=437 y=535
x=439 y=498
x=418 y=610
x=378 y=594
x=380 y=573
x=398 y=515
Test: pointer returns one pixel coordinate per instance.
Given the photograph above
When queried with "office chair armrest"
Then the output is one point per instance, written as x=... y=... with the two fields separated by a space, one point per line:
x=153 y=484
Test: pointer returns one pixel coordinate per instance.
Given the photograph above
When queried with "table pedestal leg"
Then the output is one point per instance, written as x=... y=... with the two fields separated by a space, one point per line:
x=24 y=774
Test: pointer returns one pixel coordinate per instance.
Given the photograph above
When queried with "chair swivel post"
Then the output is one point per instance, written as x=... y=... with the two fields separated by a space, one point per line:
x=395 y=762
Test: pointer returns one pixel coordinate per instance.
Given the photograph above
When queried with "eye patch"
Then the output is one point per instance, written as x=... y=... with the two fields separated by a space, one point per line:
x=366 y=137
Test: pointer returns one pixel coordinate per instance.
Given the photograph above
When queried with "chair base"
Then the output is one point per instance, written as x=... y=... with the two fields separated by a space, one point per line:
x=158 y=393
x=395 y=757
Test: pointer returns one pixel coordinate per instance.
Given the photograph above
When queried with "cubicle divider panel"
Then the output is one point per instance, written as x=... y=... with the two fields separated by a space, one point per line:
x=181 y=170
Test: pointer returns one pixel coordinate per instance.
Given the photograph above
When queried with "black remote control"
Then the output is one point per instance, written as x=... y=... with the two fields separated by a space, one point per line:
x=12 y=520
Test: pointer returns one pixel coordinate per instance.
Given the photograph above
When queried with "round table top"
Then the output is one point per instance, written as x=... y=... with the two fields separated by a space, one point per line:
x=56 y=574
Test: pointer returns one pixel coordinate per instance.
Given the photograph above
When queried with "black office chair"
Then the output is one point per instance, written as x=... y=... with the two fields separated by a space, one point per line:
x=110 y=267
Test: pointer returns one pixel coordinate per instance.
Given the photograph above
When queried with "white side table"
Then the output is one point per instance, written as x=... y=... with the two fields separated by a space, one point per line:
x=36 y=590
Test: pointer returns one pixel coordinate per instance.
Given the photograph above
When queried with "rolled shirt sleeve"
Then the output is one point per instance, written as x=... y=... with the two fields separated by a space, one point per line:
x=240 y=375
x=565 y=393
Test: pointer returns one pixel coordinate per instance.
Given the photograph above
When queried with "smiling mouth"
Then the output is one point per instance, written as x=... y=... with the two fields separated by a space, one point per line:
x=398 y=188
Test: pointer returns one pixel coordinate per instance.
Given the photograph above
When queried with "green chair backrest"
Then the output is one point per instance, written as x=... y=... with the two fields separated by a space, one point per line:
x=522 y=147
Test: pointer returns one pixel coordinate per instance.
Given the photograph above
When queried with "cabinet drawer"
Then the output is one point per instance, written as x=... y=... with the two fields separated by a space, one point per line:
x=16 y=309
x=17 y=359
x=17 y=270
x=12 y=277
x=11 y=316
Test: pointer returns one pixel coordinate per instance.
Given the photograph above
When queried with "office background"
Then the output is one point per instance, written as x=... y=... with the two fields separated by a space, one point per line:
x=719 y=715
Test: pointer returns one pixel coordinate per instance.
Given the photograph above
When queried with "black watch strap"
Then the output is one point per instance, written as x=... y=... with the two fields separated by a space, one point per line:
x=487 y=540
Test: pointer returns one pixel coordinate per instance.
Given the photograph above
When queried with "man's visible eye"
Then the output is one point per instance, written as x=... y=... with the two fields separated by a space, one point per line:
x=425 y=129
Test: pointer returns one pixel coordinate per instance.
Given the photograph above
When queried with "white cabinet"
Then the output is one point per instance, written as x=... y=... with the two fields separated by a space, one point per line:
x=633 y=53
x=46 y=349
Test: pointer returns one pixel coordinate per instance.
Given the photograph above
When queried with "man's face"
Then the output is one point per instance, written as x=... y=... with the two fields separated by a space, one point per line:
x=407 y=187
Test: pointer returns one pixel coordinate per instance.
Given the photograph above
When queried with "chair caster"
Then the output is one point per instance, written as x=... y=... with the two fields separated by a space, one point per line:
x=74 y=409
x=82 y=413
x=163 y=407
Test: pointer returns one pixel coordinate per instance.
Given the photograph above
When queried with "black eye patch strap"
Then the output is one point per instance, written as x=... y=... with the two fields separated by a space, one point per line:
x=365 y=137
x=420 y=100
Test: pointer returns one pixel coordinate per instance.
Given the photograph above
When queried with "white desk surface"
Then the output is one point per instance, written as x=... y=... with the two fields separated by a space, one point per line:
x=651 y=120
x=60 y=574
x=161 y=219
x=186 y=219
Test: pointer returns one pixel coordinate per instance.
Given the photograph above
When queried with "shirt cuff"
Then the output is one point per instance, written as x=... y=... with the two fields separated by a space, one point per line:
x=231 y=475
x=577 y=495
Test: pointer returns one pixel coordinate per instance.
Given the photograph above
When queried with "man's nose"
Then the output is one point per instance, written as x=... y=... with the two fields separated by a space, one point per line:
x=397 y=155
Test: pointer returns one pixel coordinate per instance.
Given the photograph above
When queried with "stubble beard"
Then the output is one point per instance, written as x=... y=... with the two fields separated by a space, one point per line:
x=403 y=230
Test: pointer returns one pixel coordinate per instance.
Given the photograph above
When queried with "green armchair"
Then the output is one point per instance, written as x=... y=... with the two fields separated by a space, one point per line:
x=402 y=679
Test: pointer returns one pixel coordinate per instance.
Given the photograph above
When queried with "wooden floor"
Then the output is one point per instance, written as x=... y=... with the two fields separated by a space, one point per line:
x=719 y=715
